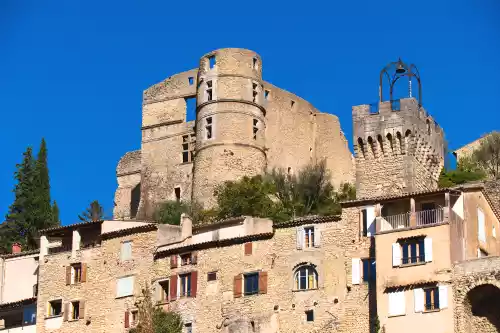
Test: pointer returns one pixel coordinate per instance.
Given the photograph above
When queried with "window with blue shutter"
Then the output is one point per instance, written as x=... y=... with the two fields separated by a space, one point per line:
x=251 y=283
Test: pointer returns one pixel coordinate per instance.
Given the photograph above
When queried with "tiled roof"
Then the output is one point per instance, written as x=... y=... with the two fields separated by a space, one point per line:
x=218 y=222
x=20 y=254
x=492 y=194
x=129 y=231
x=305 y=220
x=19 y=303
x=69 y=226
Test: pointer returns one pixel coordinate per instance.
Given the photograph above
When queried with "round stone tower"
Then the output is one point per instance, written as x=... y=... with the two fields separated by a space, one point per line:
x=230 y=121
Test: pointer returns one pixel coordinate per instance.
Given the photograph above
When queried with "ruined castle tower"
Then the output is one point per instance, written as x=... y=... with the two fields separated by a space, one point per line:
x=398 y=146
x=230 y=120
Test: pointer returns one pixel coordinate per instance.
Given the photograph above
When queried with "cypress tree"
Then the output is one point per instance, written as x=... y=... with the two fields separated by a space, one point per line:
x=55 y=213
x=43 y=209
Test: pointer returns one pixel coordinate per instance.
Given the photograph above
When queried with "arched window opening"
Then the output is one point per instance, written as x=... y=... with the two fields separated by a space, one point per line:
x=389 y=138
x=400 y=142
x=305 y=278
x=380 y=143
x=429 y=131
x=372 y=145
x=361 y=147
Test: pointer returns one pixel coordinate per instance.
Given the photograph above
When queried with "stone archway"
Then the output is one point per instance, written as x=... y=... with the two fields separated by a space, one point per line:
x=482 y=309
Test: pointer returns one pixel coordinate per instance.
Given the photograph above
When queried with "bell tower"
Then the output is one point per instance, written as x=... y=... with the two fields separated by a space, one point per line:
x=398 y=146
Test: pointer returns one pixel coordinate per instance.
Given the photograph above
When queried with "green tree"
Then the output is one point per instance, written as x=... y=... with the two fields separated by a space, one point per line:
x=487 y=155
x=93 y=213
x=155 y=320
x=43 y=210
x=55 y=213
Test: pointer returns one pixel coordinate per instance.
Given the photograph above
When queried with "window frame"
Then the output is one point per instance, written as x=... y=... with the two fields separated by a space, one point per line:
x=371 y=276
x=187 y=148
x=434 y=295
x=309 y=316
x=209 y=133
x=297 y=278
x=131 y=293
x=186 y=284
x=411 y=258
x=75 y=309
x=50 y=308
x=164 y=294
x=213 y=274
x=122 y=258
x=186 y=259
x=310 y=238
x=76 y=273
x=253 y=275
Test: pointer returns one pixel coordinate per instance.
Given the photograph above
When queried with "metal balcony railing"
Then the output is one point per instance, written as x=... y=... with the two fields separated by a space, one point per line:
x=432 y=216
x=398 y=221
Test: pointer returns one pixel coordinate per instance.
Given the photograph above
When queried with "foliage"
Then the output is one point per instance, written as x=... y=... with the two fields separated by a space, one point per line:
x=376 y=324
x=456 y=177
x=93 y=213
x=169 y=212
x=487 y=155
x=155 y=320
x=31 y=210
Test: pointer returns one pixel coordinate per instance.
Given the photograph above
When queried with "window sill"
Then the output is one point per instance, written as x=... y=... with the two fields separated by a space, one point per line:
x=398 y=315
x=303 y=290
x=431 y=311
x=73 y=320
x=413 y=264
x=185 y=163
x=52 y=317
x=124 y=296
x=162 y=302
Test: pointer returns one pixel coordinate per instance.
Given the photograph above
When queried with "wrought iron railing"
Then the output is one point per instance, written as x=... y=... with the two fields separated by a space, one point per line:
x=398 y=221
x=412 y=260
x=431 y=306
x=431 y=216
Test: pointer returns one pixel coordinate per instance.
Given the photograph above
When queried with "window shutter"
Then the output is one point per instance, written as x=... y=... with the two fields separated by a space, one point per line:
x=300 y=238
x=443 y=297
x=127 y=320
x=370 y=221
x=317 y=236
x=66 y=311
x=397 y=305
x=194 y=283
x=194 y=258
x=173 y=261
x=173 y=287
x=237 y=285
x=428 y=249
x=156 y=292
x=82 y=309
x=396 y=255
x=418 y=296
x=356 y=271
x=68 y=275
x=84 y=272
x=263 y=283
x=401 y=302
x=248 y=249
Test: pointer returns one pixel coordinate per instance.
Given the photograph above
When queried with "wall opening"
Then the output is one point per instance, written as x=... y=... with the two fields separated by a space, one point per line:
x=208 y=128
x=190 y=108
x=380 y=143
x=211 y=61
x=208 y=92
x=400 y=142
x=177 y=192
x=266 y=94
x=135 y=198
x=372 y=146
x=191 y=80
x=361 y=148
x=428 y=123
x=255 y=93
x=389 y=139
x=292 y=103
x=254 y=64
x=187 y=151
x=255 y=128
x=482 y=309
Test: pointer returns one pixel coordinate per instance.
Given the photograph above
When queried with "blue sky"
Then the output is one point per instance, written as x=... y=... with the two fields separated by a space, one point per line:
x=74 y=71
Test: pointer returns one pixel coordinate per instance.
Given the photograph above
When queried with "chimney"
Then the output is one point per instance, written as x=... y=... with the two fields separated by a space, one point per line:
x=16 y=248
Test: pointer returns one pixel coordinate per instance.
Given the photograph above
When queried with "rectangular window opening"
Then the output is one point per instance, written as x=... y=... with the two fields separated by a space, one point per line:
x=369 y=272
x=164 y=290
x=209 y=90
x=251 y=283
x=208 y=127
x=191 y=80
x=75 y=310
x=134 y=318
x=126 y=250
x=292 y=103
x=187 y=149
x=76 y=273
x=266 y=94
x=255 y=128
x=255 y=93
x=55 y=308
x=254 y=64
x=310 y=315
x=431 y=299
x=413 y=251
x=177 y=192
x=189 y=328
x=190 y=108
x=211 y=61
x=212 y=276
x=125 y=286
x=185 y=259
x=185 y=285
x=309 y=237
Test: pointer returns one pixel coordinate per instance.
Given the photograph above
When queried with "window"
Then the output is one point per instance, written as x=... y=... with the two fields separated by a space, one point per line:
x=306 y=278
x=292 y=103
x=76 y=273
x=254 y=64
x=211 y=61
x=212 y=276
x=431 y=299
x=251 y=283
x=310 y=315
x=369 y=271
x=189 y=328
x=255 y=128
x=481 y=231
x=185 y=285
x=413 y=251
x=75 y=310
x=209 y=91
x=190 y=108
x=186 y=259
x=368 y=221
x=55 y=308
x=125 y=286
x=191 y=80
x=208 y=128
x=126 y=250
x=308 y=237
x=163 y=291
x=255 y=92
x=135 y=318
x=397 y=304
x=187 y=151
x=177 y=192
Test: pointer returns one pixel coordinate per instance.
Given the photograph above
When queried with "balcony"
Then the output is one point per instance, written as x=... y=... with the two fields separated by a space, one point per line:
x=409 y=220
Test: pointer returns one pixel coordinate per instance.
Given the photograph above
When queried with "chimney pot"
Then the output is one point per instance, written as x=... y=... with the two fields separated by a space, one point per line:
x=16 y=248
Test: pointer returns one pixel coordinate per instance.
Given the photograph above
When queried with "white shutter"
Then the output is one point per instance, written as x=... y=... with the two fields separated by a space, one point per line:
x=401 y=302
x=125 y=286
x=356 y=271
x=126 y=251
x=396 y=255
x=428 y=249
x=397 y=306
x=481 y=232
x=443 y=297
x=72 y=275
x=370 y=221
x=418 y=296
x=300 y=238
x=317 y=236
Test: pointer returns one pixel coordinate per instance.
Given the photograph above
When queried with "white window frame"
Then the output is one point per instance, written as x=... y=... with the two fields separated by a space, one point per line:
x=185 y=293
x=296 y=277
x=50 y=308
x=126 y=253
x=125 y=293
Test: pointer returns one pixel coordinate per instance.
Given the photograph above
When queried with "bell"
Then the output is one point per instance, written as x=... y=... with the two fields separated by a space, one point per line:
x=399 y=67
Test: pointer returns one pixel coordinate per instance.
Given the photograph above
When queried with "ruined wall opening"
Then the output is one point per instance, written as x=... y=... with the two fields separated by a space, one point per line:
x=400 y=142
x=190 y=108
x=482 y=309
x=135 y=198
x=380 y=144
x=372 y=146
x=361 y=148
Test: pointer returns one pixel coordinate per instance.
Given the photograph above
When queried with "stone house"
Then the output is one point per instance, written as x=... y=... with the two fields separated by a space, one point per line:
x=18 y=290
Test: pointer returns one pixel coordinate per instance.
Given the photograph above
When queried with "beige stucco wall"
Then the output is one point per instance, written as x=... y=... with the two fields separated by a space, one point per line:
x=439 y=270
x=19 y=275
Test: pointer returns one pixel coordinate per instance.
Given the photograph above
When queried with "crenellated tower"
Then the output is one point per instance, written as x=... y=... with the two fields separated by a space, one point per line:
x=230 y=120
x=398 y=146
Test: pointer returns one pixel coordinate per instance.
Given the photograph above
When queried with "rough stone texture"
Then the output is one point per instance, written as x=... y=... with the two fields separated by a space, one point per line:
x=492 y=189
x=477 y=295
x=291 y=133
x=403 y=148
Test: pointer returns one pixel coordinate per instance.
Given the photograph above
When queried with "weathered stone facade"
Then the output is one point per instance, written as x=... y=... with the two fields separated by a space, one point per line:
x=254 y=126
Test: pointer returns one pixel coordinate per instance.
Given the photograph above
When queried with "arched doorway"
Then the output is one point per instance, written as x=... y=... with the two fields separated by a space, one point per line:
x=482 y=309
